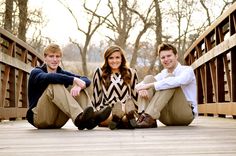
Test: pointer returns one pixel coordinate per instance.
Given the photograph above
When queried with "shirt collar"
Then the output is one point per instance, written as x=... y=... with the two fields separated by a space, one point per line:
x=44 y=68
x=177 y=68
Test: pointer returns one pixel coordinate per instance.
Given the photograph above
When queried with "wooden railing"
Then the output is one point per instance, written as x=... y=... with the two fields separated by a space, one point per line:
x=213 y=57
x=16 y=61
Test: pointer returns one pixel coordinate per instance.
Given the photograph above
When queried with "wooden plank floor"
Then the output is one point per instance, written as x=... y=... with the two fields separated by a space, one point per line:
x=206 y=136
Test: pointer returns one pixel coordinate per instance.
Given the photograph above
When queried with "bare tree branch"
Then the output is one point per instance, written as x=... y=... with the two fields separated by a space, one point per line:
x=93 y=25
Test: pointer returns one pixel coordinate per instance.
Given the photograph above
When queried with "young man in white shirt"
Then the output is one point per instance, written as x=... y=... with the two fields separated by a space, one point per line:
x=170 y=96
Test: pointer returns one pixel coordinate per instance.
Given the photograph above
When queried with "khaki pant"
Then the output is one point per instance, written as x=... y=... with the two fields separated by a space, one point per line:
x=56 y=106
x=169 y=106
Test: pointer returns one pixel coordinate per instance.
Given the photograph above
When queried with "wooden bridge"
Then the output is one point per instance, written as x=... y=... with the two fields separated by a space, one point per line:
x=16 y=61
x=212 y=56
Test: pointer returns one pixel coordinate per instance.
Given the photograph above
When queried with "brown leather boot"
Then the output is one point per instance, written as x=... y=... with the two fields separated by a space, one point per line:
x=98 y=117
x=131 y=118
x=82 y=120
x=130 y=112
x=117 y=114
x=125 y=124
x=115 y=123
x=146 y=121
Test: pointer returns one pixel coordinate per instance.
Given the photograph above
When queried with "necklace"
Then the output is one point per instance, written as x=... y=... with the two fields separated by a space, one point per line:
x=115 y=78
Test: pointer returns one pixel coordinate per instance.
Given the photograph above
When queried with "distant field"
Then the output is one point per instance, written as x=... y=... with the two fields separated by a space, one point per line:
x=76 y=66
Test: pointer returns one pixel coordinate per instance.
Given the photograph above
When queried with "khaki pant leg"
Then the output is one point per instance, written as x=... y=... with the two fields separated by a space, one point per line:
x=143 y=103
x=178 y=112
x=65 y=102
x=47 y=114
x=84 y=99
x=158 y=102
x=55 y=99
x=61 y=120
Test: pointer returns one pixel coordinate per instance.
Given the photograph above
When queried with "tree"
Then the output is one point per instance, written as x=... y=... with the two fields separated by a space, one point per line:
x=120 y=22
x=205 y=4
x=8 y=15
x=158 y=31
x=10 y=18
x=18 y=19
x=23 y=14
x=36 y=21
x=147 y=22
x=94 y=23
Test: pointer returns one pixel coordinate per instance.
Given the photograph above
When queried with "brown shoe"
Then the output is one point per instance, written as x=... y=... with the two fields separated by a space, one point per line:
x=82 y=119
x=146 y=121
x=125 y=124
x=140 y=118
x=115 y=122
x=131 y=118
x=98 y=117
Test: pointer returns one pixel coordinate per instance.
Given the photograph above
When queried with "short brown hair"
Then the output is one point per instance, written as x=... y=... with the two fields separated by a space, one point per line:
x=166 y=46
x=53 y=48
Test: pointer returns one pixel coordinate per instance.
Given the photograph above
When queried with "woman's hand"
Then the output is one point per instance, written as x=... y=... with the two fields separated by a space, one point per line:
x=143 y=94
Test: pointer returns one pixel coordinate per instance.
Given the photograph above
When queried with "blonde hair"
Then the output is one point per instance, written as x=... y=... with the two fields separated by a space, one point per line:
x=52 y=48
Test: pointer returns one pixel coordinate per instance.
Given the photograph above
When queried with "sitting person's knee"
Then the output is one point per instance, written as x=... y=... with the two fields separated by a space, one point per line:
x=149 y=79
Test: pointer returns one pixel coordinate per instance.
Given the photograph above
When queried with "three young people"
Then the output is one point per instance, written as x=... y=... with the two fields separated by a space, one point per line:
x=170 y=96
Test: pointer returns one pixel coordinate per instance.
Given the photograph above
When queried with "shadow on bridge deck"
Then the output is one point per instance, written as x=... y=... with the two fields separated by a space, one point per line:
x=205 y=136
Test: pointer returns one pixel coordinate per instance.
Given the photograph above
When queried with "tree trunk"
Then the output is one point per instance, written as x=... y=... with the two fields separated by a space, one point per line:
x=8 y=16
x=136 y=46
x=83 y=55
x=123 y=28
x=158 y=35
x=23 y=14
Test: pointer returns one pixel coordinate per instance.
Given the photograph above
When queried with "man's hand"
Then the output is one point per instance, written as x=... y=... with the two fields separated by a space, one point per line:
x=79 y=83
x=143 y=94
x=75 y=90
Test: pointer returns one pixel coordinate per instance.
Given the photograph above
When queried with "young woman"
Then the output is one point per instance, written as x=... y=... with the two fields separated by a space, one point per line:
x=114 y=86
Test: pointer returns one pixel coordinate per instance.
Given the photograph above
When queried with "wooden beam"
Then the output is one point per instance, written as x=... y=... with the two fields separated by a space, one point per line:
x=6 y=59
x=226 y=108
x=233 y=74
x=19 y=42
x=227 y=73
x=219 y=20
x=4 y=84
x=216 y=51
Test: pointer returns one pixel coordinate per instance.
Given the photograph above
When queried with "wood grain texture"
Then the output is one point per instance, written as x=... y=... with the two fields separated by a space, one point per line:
x=205 y=136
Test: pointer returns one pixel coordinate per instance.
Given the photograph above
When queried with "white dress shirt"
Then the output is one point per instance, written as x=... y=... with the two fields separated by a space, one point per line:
x=184 y=77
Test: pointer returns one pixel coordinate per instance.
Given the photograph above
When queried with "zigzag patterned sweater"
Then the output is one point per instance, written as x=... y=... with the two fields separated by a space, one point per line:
x=117 y=91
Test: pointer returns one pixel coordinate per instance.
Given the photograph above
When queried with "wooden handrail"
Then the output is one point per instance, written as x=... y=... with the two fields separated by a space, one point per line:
x=16 y=61
x=213 y=57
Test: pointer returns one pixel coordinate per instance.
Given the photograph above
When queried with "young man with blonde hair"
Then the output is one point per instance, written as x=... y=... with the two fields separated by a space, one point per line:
x=170 y=96
x=51 y=104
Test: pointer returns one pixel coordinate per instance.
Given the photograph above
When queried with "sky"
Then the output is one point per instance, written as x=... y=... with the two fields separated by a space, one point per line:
x=60 y=24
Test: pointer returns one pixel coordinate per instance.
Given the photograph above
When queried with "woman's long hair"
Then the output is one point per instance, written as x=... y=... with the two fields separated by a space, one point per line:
x=106 y=69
